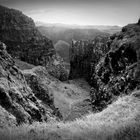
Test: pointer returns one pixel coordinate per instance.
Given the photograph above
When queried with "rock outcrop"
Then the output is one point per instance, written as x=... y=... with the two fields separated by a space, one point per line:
x=25 y=42
x=22 y=96
x=118 y=72
x=84 y=55
x=39 y=80
x=112 y=66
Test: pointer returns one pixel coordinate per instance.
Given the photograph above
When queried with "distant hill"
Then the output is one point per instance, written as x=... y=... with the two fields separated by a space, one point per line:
x=74 y=26
x=57 y=32
x=62 y=34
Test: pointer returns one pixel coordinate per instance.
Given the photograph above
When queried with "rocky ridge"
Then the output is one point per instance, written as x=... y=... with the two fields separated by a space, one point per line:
x=26 y=43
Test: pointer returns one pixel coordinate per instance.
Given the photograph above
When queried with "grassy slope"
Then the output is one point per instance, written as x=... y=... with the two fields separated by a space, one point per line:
x=69 y=95
x=120 y=121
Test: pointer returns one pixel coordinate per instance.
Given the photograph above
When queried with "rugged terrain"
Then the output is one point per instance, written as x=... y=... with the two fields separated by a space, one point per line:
x=67 y=96
x=110 y=64
x=63 y=35
x=32 y=94
x=20 y=99
x=101 y=99
x=118 y=72
x=84 y=55
x=26 y=43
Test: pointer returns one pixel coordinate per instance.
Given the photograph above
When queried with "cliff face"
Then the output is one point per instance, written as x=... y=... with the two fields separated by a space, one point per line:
x=116 y=63
x=23 y=102
x=118 y=72
x=24 y=41
x=84 y=55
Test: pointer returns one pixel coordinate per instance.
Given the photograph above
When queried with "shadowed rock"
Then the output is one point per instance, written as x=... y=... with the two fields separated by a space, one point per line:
x=111 y=66
x=26 y=43
x=118 y=72
x=84 y=55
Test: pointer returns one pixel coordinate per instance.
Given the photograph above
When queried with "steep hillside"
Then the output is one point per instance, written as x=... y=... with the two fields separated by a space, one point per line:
x=26 y=43
x=35 y=104
x=32 y=94
x=111 y=65
x=67 y=96
x=17 y=98
x=118 y=72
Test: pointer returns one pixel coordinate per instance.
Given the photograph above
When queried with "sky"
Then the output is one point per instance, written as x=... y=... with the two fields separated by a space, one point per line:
x=80 y=12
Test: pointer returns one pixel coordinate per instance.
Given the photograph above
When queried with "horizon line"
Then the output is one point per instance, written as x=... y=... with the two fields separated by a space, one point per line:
x=75 y=24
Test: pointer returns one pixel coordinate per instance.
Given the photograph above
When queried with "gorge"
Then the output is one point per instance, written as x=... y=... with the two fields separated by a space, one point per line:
x=98 y=99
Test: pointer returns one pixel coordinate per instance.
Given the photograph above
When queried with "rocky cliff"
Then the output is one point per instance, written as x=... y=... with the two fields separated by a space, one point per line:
x=26 y=43
x=118 y=72
x=24 y=98
x=113 y=69
x=84 y=55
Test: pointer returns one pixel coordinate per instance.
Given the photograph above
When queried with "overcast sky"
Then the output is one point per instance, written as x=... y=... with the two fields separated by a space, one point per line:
x=83 y=12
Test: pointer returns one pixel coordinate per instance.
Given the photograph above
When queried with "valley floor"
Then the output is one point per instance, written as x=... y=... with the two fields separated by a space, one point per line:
x=72 y=98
